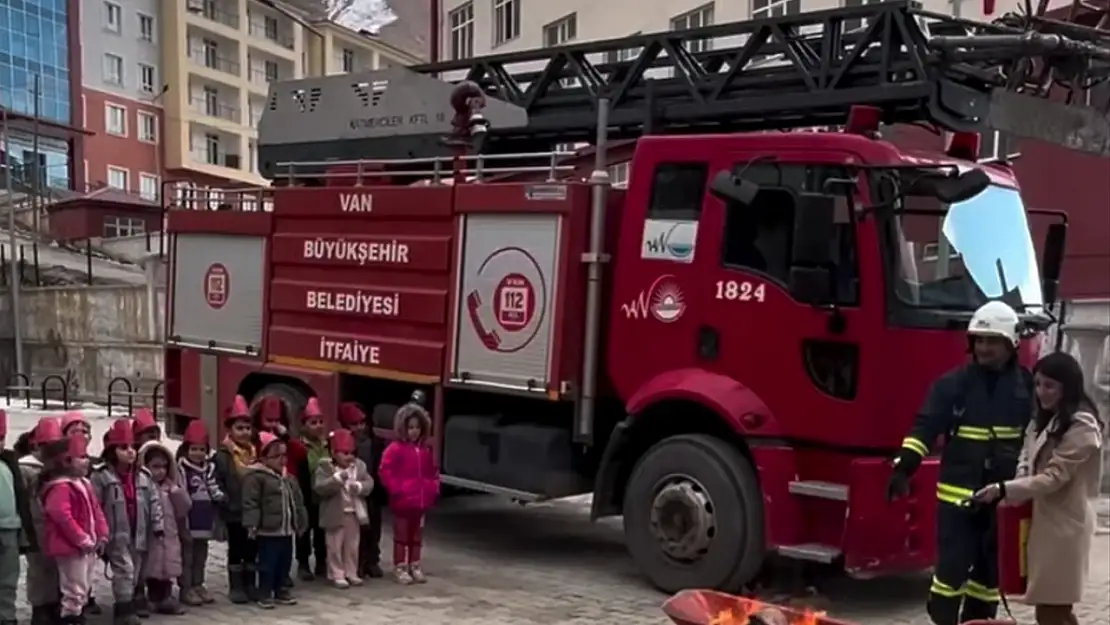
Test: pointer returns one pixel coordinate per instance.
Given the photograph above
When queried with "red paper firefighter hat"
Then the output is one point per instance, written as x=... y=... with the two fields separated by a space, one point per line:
x=265 y=439
x=119 y=434
x=72 y=418
x=77 y=446
x=350 y=414
x=48 y=430
x=195 y=433
x=311 y=410
x=270 y=410
x=239 y=410
x=144 y=421
x=3 y=423
x=342 y=441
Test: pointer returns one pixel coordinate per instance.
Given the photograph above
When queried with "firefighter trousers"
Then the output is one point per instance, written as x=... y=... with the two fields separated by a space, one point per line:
x=966 y=572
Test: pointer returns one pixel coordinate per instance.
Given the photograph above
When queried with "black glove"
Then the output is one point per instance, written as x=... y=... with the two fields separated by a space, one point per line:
x=898 y=486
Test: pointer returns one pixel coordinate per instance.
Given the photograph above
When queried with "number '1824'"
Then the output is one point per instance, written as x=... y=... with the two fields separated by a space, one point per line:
x=741 y=291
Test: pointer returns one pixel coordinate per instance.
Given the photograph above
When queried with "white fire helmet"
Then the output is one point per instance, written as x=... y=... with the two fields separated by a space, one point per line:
x=995 y=319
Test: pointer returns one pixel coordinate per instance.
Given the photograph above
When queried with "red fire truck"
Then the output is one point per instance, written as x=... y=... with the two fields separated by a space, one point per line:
x=727 y=353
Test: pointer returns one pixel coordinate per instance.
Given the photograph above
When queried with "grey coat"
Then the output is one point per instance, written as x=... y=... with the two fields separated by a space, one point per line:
x=329 y=489
x=149 y=515
x=29 y=468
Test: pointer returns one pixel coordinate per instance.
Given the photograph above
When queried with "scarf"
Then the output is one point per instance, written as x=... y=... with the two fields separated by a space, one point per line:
x=243 y=455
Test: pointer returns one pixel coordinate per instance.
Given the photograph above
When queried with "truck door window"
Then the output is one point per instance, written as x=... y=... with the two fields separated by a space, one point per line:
x=677 y=190
x=759 y=237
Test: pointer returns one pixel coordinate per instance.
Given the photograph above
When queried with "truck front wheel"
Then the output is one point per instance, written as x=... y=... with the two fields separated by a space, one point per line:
x=693 y=515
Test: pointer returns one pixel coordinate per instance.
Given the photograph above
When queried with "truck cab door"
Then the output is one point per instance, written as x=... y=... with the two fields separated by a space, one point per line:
x=789 y=332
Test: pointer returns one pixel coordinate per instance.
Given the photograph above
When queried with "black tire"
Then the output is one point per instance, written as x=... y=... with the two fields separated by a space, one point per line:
x=294 y=400
x=736 y=552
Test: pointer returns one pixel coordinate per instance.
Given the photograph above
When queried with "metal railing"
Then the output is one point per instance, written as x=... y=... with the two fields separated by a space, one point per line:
x=434 y=170
x=219 y=159
x=216 y=13
x=261 y=77
x=245 y=199
x=206 y=57
x=281 y=38
x=217 y=109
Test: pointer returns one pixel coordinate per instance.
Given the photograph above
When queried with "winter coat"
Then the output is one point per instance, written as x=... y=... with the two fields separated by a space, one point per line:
x=272 y=503
x=204 y=491
x=229 y=477
x=28 y=539
x=411 y=475
x=329 y=490
x=30 y=468
x=299 y=464
x=1062 y=481
x=122 y=538
x=369 y=449
x=74 y=521
x=163 y=559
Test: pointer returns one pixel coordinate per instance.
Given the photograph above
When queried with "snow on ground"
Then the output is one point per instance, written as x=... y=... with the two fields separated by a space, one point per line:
x=51 y=256
x=21 y=419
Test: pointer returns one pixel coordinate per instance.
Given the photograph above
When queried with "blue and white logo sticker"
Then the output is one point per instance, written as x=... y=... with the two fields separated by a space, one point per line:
x=667 y=239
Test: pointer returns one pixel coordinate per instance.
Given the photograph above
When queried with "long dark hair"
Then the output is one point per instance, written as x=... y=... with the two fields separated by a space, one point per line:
x=1065 y=370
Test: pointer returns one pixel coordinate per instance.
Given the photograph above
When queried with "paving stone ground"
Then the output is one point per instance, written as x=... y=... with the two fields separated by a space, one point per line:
x=495 y=563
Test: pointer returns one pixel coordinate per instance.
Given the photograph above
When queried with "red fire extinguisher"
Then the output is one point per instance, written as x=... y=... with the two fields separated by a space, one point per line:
x=1013 y=536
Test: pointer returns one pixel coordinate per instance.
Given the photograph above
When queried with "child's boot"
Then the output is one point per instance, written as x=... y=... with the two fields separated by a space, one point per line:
x=250 y=582
x=42 y=615
x=284 y=597
x=236 y=593
x=140 y=603
x=190 y=597
x=204 y=594
x=123 y=613
x=401 y=573
x=92 y=608
x=417 y=573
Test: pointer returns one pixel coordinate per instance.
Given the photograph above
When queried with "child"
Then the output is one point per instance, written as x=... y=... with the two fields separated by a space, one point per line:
x=410 y=474
x=42 y=573
x=198 y=476
x=305 y=456
x=75 y=530
x=369 y=450
x=163 y=563
x=17 y=530
x=74 y=423
x=273 y=513
x=233 y=458
x=134 y=513
x=146 y=428
x=269 y=416
x=342 y=483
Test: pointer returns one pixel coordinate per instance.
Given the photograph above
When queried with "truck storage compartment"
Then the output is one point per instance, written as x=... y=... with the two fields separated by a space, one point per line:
x=524 y=457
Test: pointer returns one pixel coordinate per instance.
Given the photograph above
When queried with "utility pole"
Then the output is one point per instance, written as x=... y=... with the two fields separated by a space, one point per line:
x=14 y=277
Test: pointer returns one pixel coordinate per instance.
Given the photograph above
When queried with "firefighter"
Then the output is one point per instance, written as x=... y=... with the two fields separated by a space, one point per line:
x=981 y=409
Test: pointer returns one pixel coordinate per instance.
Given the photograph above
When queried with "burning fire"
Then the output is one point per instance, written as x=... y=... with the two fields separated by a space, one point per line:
x=751 y=612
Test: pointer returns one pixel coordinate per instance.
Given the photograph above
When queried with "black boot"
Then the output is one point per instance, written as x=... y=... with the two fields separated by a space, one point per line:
x=139 y=603
x=92 y=608
x=304 y=572
x=124 y=614
x=235 y=591
x=250 y=582
x=42 y=615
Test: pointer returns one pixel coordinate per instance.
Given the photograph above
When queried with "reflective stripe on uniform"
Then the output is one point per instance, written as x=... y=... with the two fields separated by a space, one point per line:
x=915 y=446
x=944 y=590
x=975 y=433
x=978 y=591
x=953 y=494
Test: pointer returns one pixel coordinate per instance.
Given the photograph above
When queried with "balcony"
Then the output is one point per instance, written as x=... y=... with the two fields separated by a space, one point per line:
x=221 y=13
x=266 y=68
x=217 y=158
x=216 y=109
x=277 y=30
x=214 y=59
x=215 y=148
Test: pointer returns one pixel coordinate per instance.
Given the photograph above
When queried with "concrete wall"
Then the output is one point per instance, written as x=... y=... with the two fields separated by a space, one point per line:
x=96 y=332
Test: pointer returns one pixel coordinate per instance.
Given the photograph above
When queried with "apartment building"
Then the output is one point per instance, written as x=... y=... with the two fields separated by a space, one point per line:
x=174 y=89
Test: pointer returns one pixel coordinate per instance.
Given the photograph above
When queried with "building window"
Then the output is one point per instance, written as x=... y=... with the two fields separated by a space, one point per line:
x=271 y=70
x=348 y=61
x=270 y=24
x=148 y=186
x=851 y=25
x=146 y=78
x=620 y=56
x=117 y=178
x=211 y=54
x=762 y=9
x=618 y=175
x=113 y=69
x=148 y=127
x=115 y=120
x=506 y=21
x=212 y=149
x=211 y=102
x=699 y=17
x=146 y=27
x=115 y=227
x=462 y=31
x=113 y=17
x=561 y=31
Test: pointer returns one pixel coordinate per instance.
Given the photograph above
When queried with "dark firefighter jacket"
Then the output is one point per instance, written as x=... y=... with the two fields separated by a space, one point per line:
x=981 y=418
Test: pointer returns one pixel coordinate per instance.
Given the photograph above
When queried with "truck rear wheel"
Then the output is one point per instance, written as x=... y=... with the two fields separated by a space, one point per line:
x=293 y=398
x=693 y=515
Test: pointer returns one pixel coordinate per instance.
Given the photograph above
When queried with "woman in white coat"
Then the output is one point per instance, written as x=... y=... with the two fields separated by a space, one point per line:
x=1059 y=472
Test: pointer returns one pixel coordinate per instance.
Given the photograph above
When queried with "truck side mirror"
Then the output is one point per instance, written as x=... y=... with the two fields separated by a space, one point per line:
x=1052 y=260
x=730 y=188
x=814 y=229
x=963 y=187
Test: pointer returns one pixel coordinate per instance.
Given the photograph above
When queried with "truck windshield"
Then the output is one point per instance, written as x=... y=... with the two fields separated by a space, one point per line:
x=976 y=250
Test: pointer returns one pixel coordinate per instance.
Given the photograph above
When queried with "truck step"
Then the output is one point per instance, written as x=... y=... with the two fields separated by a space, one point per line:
x=811 y=552
x=820 y=490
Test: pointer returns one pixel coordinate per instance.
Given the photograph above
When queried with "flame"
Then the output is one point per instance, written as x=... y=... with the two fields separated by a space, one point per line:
x=746 y=609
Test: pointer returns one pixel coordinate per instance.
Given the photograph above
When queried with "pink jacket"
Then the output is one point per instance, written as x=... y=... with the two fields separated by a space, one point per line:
x=411 y=476
x=74 y=521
